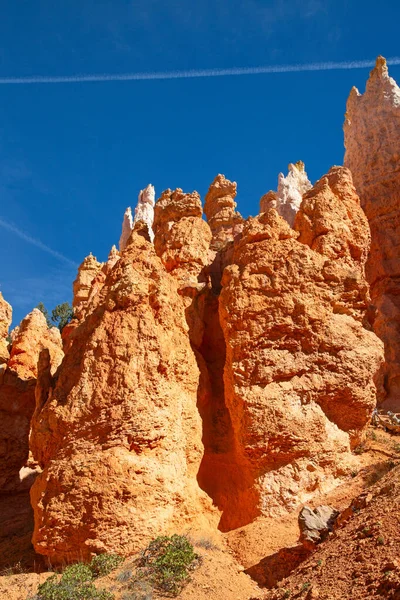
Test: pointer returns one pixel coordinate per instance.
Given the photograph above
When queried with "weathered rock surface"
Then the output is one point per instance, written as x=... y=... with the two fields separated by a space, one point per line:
x=87 y=271
x=5 y=322
x=144 y=210
x=286 y=201
x=372 y=140
x=119 y=436
x=316 y=523
x=220 y=209
x=182 y=237
x=300 y=367
x=17 y=402
x=17 y=392
x=127 y=226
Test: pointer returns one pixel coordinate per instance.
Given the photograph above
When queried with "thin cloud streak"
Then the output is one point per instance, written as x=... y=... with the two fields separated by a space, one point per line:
x=235 y=71
x=30 y=240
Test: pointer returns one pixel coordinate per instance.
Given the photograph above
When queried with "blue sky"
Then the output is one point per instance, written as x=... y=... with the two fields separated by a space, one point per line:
x=73 y=156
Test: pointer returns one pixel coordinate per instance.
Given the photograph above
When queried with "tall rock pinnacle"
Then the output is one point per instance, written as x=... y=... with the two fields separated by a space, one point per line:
x=144 y=212
x=220 y=210
x=127 y=226
x=290 y=192
x=372 y=141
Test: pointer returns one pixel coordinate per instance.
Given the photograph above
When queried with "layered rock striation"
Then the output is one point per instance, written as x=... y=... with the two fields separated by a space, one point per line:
x=372 y=140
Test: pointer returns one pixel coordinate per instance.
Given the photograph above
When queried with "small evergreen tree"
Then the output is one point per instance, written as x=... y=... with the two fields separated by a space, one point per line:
x=62 y=314
x=44 y=310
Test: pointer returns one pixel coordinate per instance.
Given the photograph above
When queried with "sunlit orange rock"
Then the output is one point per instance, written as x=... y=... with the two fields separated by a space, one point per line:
x=87 y=271
x=300 y=365
x=119 y=436
x=181 y=237
x=220 y=209
x=5 y=322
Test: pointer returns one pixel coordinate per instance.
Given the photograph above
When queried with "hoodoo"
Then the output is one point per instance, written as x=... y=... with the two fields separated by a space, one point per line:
x=300 y=367
x=372 y=140
x=215 y=371
x=119 y=436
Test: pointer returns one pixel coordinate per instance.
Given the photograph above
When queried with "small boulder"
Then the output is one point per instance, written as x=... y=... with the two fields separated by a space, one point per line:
x=315 y=524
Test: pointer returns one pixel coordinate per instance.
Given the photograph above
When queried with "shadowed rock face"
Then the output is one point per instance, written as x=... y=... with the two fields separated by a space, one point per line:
x=119 y=437
x=17 y=403
x=17 y=392
x=372 y=140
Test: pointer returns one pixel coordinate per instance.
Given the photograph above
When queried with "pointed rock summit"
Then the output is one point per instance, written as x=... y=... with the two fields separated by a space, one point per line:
x=220 y=210
x=291 y=188
x=182 y=237
x=87 y=271
x=372 y=141
x=144 y=213
x=127 y=226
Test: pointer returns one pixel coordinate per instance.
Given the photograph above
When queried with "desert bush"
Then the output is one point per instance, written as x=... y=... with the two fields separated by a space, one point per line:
x=103 y=564
x=166 y=563
x=74 y=584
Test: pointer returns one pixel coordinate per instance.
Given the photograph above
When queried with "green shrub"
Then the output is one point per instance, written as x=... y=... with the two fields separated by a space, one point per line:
x=74 y=584
x=167 y=562
x=103 y=564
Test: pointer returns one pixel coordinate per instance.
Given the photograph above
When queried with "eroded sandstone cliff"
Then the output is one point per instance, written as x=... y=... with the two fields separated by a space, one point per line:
x=229 y=362
x=372 y=140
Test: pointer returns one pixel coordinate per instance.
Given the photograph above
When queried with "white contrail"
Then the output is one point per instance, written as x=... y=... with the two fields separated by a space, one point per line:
x=35 y=242
x=323 y=66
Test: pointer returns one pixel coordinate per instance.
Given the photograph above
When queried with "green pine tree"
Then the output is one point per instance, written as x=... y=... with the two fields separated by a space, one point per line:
x=44 y=310
x=62 y=314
